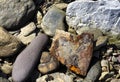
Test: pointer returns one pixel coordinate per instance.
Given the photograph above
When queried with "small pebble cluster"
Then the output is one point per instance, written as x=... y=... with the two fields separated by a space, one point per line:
x=59 y=40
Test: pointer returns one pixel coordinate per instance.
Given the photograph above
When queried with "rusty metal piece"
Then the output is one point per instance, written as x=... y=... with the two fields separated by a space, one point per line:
x=74 y=51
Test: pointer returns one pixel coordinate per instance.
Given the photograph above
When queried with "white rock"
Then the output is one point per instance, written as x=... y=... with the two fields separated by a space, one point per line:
x=101 y=14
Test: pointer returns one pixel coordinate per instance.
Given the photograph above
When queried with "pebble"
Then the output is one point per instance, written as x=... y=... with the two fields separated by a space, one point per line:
x=109 y=51
x=103 y=75
x=119 y=72
x=94 y=73
x=101 y=41
x=7 y=68
x=26 y=39
x=115 y=54
x=115 y=80
x=2 y=79
x=47 y=63
x=28 y=58
x=53 y=19
x=55 y=77
x=61 y=5
x=114 y=59
x=25 y=31
x=39 y=18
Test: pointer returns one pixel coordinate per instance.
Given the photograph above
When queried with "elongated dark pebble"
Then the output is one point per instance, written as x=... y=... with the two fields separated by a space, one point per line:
x=27 y=59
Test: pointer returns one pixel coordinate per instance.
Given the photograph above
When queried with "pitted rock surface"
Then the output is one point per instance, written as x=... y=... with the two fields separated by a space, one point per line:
x=74 y=51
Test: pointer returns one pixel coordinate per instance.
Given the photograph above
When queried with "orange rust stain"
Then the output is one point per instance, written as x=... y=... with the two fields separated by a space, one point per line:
x=75 y=69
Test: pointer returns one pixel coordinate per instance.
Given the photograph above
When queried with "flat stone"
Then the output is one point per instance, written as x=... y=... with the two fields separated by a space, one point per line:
x=26 y=39
x=55 y=77
x=53 y=19
x=9 y=45
x=25 y=31
x=26 y=61
x=94 y=14
x=15 y=14
x=74 y=51
x=48 y=63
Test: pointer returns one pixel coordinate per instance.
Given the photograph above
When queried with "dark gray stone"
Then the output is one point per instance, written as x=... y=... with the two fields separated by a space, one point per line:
x=94 y=72
x=15 y=13
x=28 y=58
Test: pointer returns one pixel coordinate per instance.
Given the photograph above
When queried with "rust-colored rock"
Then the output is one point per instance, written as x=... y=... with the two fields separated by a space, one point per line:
x=74 y=51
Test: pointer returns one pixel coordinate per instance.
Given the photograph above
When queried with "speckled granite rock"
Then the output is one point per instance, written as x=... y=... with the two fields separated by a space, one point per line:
x=74 y=51
x=28 y=58
x=9 y=45
x=14 y=14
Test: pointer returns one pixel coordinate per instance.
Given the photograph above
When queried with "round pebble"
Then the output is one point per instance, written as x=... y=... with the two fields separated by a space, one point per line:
x=114 y=59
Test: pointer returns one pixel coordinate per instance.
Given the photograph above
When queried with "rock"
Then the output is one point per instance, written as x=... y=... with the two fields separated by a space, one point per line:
x=28 y=29
x=3 y=79
x=94 y=14
x=55 y=77
x=118 y=58
x=115 y=80
x=27 y=33
x=26 y=61
x=109 y=52
x=74 y=51
x=97 y=33
x=101 y=41
x=105 y=63
x=26 y=39
x=15 y=14
x=105 y=75
x=94 y=73
x=54 y=19
x=6 y=68
x=114 y=59
x=47 y=63
x=61 y=5
x=115 y=54
x=119 y=71
x=114 y=39
x=9 y=45
x=39 y=17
